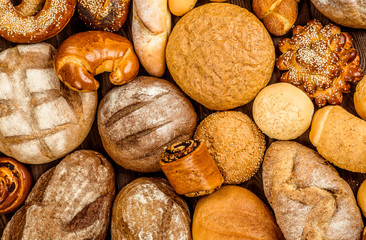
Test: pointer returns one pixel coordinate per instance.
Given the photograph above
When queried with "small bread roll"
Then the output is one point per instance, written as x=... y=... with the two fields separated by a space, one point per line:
x=360 y=98
x=340 y=138
x=233 y=213
x=235 y=143
x=282 y=111
x=361 y=198
x=181 y=7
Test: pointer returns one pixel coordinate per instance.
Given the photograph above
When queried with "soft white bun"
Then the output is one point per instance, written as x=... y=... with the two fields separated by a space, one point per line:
x=282 y=111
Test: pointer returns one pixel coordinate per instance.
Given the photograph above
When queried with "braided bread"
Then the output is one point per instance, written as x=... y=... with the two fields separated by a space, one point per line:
x=320 y=61
x=310 y=200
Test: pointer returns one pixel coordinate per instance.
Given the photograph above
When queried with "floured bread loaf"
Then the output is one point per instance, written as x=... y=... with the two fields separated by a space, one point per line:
x=148 y=208
x=70 y=201
x=40 y=119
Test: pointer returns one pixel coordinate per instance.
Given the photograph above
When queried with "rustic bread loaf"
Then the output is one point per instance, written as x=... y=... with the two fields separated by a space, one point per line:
x=40 y=118
x=310 y=200
x=148 y=208
x=70 y=201
x=136 y=121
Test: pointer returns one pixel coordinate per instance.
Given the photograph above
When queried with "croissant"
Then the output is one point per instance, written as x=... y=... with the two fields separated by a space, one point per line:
x=86 y=54
x=320 y=61
x=15 y=184
x=190 y=169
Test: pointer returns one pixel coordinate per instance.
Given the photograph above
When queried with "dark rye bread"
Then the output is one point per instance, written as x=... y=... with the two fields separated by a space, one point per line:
x=137 y=120
x=148 y=209
x=70 y=201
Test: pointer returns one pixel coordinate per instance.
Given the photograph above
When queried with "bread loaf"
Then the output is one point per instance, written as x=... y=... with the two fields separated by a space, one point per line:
x=40 y=118
x=70 y=201
x=310 y=200
x=136 y=121
x=148 y=208
x=340 y=138
x=151 y=25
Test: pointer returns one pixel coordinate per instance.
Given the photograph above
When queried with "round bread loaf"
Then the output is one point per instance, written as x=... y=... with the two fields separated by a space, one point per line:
x=235 y=143
x=221 y=55
x=282 y=111
x=148 y=208
x=137 y=120
x=233 y=212
x=70 y=201
x=310 y=200
x=40 y=118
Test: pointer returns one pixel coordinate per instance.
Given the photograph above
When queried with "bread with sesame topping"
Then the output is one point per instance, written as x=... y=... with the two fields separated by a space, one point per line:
x=235 y=143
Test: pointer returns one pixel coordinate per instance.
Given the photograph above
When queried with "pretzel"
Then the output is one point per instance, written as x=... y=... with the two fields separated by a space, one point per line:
x=34 y=20
x=86 y=54
x=320 y=61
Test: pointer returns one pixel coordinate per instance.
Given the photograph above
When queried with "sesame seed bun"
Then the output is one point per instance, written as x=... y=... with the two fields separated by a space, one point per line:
x=235 y=143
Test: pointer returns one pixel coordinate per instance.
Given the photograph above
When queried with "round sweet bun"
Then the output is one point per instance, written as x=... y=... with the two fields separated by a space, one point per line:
x=282 y=111
x=220 y=55
x=235 y=143
x=360 y=98
x=233 y=212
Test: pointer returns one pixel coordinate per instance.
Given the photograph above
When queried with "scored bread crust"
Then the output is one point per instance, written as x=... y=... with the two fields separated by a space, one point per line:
x=310 y=200
x=70 y=201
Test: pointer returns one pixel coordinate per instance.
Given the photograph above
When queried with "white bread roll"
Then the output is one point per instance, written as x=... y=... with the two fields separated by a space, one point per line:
x=282 y=111
x=151 y=25
x=340 y=138
x=360 y=98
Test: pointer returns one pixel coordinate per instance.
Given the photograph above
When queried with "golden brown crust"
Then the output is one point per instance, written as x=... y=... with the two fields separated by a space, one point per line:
x=340 y=138
x=86 y=54
x=233 y=213
x=360 y=98
x=202 y=56
x=320 y=61
x=109 y=15
x=190 y=169
x=235 y=143
x=15 y=184
x=310 y=200
x=277 y=15
x=30 y=26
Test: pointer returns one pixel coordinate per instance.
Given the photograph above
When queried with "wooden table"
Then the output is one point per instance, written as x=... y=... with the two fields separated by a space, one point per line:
x=306 y=12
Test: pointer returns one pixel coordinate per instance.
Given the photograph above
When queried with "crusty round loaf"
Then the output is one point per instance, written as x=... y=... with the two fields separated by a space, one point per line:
x=137 y=120
x=233 y=213
x=235 y=143
x=360 y=98
x=70 y=201
x=221 y=55
x=282 y=111
x=344 y=12
x=148 y=208
x=310 y=200
x=40 y=118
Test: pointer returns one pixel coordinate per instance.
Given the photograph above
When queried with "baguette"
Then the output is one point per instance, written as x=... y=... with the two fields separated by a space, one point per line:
x=151 y=25
x=340 y=138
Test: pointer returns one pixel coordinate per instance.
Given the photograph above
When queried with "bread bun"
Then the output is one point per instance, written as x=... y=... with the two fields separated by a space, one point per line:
x=41 y=120
x=340 y=138
x=360 y=98
x=282 y=111
x=181 y=7
x=103 y=15
x=361 y=197
x=203 y=55
x=34 y=21
x=148 y=208
x=278 y=16
x=235 y=143
x=233 y=212
x=310 y=200
x=70 y=201
x=137 y=120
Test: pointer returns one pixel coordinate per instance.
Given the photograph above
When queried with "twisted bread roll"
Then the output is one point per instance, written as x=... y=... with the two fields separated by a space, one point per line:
x=310 y=200
x=151 y=25
x=340 y=138
x=86 y=54
x=277 y=15
x=30 y=23
x=15 y=184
